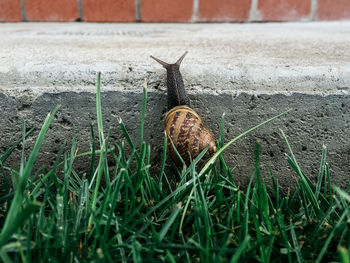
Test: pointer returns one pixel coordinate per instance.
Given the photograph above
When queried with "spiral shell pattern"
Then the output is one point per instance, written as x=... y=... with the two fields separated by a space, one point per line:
x=185 y=128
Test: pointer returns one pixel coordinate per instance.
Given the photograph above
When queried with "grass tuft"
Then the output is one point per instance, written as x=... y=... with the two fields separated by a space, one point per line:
x=123 y=213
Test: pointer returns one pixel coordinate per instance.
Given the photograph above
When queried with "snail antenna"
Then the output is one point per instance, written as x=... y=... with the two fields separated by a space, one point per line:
x=178 y=62
x=167 y=65
x=164 y=64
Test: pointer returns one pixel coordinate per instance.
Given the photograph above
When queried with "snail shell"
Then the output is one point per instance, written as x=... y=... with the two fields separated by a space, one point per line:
x=183 y=125
x=185 y=128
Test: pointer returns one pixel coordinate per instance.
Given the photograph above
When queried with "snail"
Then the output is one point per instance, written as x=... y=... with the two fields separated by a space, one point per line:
x=182 y=124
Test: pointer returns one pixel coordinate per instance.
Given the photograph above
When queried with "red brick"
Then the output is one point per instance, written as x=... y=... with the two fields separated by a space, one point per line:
x=333 y=9
x=109 y=10
x=284 y=10
x=166 y=10
x=51 y=10
x=224 y=10
x=10 y=10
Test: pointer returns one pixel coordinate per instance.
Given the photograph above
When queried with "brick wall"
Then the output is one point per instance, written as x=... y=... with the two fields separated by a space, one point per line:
x=173 y=10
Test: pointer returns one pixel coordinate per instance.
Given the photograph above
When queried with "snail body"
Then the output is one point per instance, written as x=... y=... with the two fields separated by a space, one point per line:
x=183 y=125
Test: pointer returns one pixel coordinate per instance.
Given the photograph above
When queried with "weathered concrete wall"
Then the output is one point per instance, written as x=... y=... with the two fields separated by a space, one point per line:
x=314 y=120
x=250 y=72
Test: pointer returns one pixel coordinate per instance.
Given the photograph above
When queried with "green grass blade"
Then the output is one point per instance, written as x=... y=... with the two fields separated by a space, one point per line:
x=10 y=149
x=222 y=128
x=5 y=257
x=170 y=221
x=15 y=210
x=93 y=149
x=99 y=109
x=100 y=167
x=143 y=111
x=161 y=173
x=32 y=157
x=215 y=156
x=170 y=256
x=136 y=253
x=185 y=210
x=17 y=221
x=245 y=227
x=321 y=171
x=329 y=239
x=341 y=193
x=305 y=184
x=343 y=254
x=296 y=244
x=240 y=250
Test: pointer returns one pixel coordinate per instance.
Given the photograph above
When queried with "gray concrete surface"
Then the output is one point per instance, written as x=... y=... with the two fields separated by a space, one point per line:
x=249 y=71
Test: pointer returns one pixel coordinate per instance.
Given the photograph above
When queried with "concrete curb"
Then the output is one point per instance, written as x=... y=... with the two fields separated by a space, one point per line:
x=249 y=71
